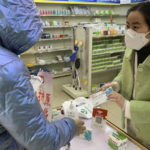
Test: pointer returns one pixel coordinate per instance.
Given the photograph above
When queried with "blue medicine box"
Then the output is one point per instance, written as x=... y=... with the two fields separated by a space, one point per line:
x=108 y=91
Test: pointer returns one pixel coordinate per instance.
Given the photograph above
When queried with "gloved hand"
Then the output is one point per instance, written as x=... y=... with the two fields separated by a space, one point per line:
x=80 y=127
x=114 y=85
x=118 y=99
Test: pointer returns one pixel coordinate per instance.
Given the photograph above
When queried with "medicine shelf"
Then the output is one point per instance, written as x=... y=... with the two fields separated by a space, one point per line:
x=108 y=53
x=94 y=61
x=107 y=49
x=62 y=74
x=66 y=15
x=51 y=51
x=50 y=63
x=105 y=36
x=94 y=72
x=55 y=39
x=54 y=50
x=101 y=63
x=108 y=58
x=113 y=15
x=56 y=36
x=114 y=44
x=82 y=15
x=51 y=27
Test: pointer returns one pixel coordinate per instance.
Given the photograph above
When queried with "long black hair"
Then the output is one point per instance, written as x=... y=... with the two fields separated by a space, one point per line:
x=144 y=9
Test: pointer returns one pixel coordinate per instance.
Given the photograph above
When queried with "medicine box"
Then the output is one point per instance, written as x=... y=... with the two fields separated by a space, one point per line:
x=117 y=141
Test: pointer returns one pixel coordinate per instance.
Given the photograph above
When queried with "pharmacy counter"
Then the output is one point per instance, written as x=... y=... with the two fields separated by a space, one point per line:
x=98 y=142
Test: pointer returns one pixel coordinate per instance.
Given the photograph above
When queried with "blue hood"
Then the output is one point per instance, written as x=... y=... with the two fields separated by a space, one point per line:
x=20 y=25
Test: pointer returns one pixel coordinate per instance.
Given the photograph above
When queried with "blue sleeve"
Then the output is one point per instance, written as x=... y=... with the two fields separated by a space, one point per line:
x=20 y=25
x=22 y=116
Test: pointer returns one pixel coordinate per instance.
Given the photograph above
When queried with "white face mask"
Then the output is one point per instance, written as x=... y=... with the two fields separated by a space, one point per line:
x=135 y=40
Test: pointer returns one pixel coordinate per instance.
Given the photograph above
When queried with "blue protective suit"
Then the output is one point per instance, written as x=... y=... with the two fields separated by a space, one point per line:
x=22 y=122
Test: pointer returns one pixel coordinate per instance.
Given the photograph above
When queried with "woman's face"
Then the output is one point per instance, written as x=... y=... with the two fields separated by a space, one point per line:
x=136 y=22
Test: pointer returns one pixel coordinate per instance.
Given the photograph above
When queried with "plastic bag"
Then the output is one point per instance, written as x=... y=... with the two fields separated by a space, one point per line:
x=36 y=82
x=82 y=107
x=44 y=94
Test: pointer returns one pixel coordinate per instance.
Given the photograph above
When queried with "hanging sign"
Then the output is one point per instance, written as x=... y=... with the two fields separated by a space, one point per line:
x=138 y=1
x=83 y=1
x=50 y=1
x=109 y=1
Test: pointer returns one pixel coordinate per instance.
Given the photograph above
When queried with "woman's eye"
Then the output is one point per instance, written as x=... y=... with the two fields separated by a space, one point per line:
x=135 y=27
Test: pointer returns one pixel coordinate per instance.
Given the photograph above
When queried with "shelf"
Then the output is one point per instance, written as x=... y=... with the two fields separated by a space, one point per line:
x=101 y=63
x=113 y=44
x=74 y=93
x=62 y=74
x=47 y=64
x=107 y=53
x=82 y=15
x=108 y=49
x=67 y=38
x=107 y=65
x=94 y=61
x=52 y=50
x=66 y=15
x=93 y=72
x=51 y=27
x=113 y=15
x=103 y=36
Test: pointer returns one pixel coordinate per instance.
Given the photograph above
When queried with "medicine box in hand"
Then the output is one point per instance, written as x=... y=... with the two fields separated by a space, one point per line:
x=87 y=135
x=108 y=91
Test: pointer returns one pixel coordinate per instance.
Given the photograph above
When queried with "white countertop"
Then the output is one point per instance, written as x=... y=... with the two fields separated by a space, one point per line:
x=98 y=142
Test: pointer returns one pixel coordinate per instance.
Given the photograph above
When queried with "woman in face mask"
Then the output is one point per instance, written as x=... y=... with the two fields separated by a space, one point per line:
x=133 y=81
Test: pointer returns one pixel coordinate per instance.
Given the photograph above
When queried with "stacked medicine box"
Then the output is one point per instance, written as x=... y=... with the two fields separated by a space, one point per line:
x=107 y=53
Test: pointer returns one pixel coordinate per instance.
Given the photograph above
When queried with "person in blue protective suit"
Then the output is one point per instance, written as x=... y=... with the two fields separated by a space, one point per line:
x=23 y=124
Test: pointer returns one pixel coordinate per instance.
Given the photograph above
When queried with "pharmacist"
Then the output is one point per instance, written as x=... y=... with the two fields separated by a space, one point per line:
x=22 y=122
x=133 y=81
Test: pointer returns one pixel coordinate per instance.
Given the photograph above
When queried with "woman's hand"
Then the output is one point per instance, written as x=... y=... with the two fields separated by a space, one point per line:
x=108 y=85
x=80 y=127
x=117 y=98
